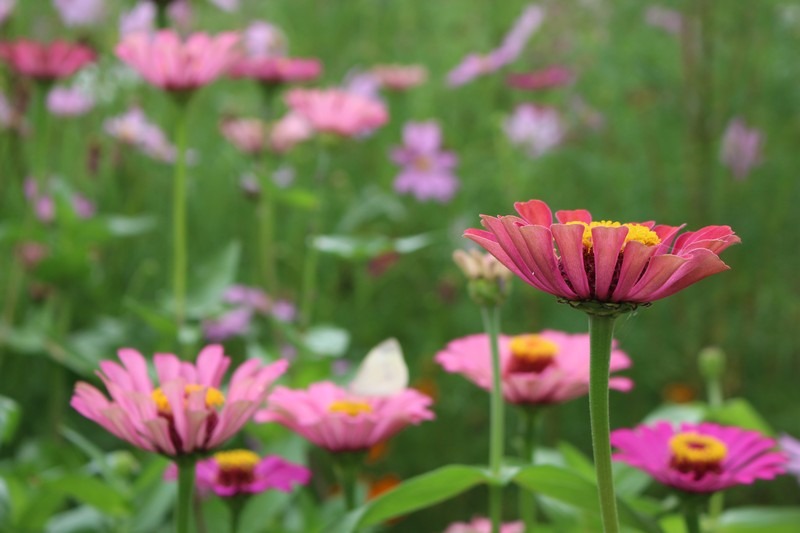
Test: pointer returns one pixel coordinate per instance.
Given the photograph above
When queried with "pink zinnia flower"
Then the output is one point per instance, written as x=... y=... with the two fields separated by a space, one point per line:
x=248 y=135
x=699 y=457
x=187 y=412
x=46 y=62
x=277 y=70
x=140 y=19
x=792 y=448
x=537 y=129
x=336 y=111
x=427 y=170
x=262 y=39
x=172 y=64
x=340 y=421
x=577 y=259
x=546 y=78
x=289 y=131
x=741 y=148
x=80 y=12
x=544 y=368
x=400 y=77
x=69 y=102
x=484 y=525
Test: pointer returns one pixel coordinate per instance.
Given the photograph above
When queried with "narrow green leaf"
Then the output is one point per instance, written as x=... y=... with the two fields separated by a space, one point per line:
x=760 y=519
x=741 y=413
x=91 y=491
x=9 y=418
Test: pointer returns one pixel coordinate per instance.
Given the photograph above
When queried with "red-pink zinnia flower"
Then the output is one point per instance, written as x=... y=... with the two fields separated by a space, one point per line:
x=336 y=111
x=340 y=421
x=47 y=62
x=187 y=412
x=275 y=70
x=699 y=457
x=544 y=368
x=168 y=62
x=580 y=260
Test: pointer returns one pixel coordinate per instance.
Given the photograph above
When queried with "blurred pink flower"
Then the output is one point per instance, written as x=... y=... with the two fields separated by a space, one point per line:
x=69 y=102
x=791 y=448
x=172 y=64
x=700 y=458
x=288 y=132
x=80 y=12
x=546 y=78
x=363 y=84
x=232 y=323
x=47 y=62
x=187 y=412
x=601 y=261
x=427 y=170
x=669 y=20
x=31 y=253
x=484 y=525
x=400 y=77
x=226 y=5
x=44 y=206
x=741 y=148
x=340 y=421
x=262 y=39
x=248 y=135
x=536 y=129
x=133 y=127
x=83 y=207
x=336 y=111
x=277 y=70
x=545 y=368
x=140 y=19
x=248 y=297
x=6 y=7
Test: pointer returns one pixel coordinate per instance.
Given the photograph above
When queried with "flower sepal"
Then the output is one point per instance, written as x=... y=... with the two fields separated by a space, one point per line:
x=610 y=309
x=488 y=292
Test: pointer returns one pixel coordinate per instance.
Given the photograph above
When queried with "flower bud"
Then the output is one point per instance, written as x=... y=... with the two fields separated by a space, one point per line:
x=712 y=363
x=488 y=280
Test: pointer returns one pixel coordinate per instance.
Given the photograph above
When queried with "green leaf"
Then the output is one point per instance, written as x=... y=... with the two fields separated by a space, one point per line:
x=91 y=491
x=9 y=418
x=353 y=248
x=760 y=519
x=406 y=245
x=676 y=413
x=120 y=226
x=576 y=460
x=739 y=412
x=78 y=520
x=211 y=279
x=327 y=340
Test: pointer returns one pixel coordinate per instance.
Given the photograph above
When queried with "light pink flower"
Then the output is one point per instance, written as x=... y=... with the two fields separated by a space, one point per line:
x=83 y=207
x=170 y=63
x=277 y=70
x=400 y=77
x=251 y=298
x=536 y=129
x=44 y=206
x=335 y=111
x=69 y=102
x=427 y=170
x=232 y=323
x=289 y=131
x=47 y=62
x=700 y=458
x=226 y=5
x=340 y=421
x=741 y=148
x=791 y=447
x=248 y=135
x=80 y=12
x=546 y=78
x=669 y=20
x=6 y=7
x=580 y=260
x=262 y=39
x=544 y=368
x=484 y=525
x=140 y=19
x=363 y=84
x=135 y=129
x=187 y=412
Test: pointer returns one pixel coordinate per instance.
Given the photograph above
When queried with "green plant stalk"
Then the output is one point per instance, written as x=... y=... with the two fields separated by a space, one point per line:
x=266 y=228
x=162 y=17
x=236 y=505
x=716 y=504
x=691 y=515
x=527 y=505
x=491 y=323
x=179 y=244
x=346 y=467
x=601 y=331
x=312 y=254
x=186 y=465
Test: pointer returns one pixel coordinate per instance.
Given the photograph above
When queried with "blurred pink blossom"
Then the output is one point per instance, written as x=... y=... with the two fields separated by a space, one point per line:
x=83 y=207
x=47 y=62
x=364 y=84
x=791 y=447
x=276 y=70
x=546 y=78
x=741 y=148
x=537 y=129
x=6 y=7
x=226 y=5
x=262 y=39
x=133 y=127
x=427 y=170
x=289 y=131
x=7 y=113
x=484 y=525
x=661 y=17
x=140 y=19
x=69 y=102
x=232 y=323
x=248 y=135
x=80 y=12
x=44 y=206
x=284 y=311
x=400 y=77
x=251 y=298
x=336 y=111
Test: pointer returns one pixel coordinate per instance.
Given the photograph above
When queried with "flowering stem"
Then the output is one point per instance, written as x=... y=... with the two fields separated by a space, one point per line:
x=691 y=515
x=266 y=241
x=179 y=216
x=491 y=323
x=527 y=505
x=346 y=467
x=601 y=331
x=185 y=491
x=162 y=17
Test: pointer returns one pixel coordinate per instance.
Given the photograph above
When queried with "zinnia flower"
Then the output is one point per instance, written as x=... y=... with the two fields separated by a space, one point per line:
x=46 y=62
x=792 y=448
x=277 y=70
x=336 y=111
x=580 y=260
x=699 y=458
x=248 y=135
x=340 y=421
x=544 y=368
x=188 y=412
x=741 y=148
x=166 y=61
x=484 y=525
x=427 y=170
x=537 y=129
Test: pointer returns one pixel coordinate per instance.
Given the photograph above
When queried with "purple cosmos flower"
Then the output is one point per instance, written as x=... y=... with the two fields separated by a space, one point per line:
x=741 y=148
x=80 y=12
x=792 y=448
x=427 y=170
x=231 y=324
x=249 y=297
x=537 y=129
x=69 y=102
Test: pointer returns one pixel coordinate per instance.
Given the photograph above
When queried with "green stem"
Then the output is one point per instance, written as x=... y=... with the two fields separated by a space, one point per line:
x=346 y=467
x=266 y=228
x=491 y=323
x=692 y=516
x=179 y=245
x=236 y=504
x=527 y=505
x=162 y=17
x=185 y=490
x=312 y=254
x=601 y=331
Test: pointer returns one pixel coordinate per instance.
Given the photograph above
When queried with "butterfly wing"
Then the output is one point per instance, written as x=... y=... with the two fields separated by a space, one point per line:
x=383 y=372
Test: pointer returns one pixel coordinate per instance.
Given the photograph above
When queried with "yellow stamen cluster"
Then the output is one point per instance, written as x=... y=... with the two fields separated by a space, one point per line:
x=237 y=460
x=214 y=397
x=533 y=347
x=636 y=232
x=349 y=407
x=697 y=452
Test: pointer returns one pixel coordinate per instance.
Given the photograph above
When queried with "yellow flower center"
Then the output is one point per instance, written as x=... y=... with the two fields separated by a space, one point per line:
x=214 y=397
x=349 y=407
x=694 y=452
x=531 y=353
x=241 y=460
x=636 y=232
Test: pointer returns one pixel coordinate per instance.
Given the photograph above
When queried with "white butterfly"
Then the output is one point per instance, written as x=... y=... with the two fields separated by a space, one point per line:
x=383 y=372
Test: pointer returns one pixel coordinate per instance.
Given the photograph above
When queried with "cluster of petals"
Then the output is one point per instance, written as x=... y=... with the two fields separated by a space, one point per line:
x=170 y=63
x=312 y=414
x=484 y=525
x=262 y=39
x=6 y=7
x=277 y=70
x=289 y=131
x=427 y=170
x=338 y=112
x=48 y=62
x=565 y=378
x=190 y=423
x=553 y=257
x=546 y=78
x=242 y=304
x=747 y=456
x=741 y=148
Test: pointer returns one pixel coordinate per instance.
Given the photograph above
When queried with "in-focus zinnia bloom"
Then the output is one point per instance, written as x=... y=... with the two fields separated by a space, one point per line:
x=581 y=260
x=338 y=112
x=699 y=458
x=46 y=62
x=340 y=421
x=187 y=412
x=168 y=62
x=543 y=368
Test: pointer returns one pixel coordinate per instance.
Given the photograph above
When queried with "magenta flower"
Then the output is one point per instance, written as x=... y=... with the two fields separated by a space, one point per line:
x=741 y=148
x=427 y=170
x=577 y=259
x=484 y=525
x=277 y=70
x=338 y=112
x=168 y=62
x=187 y=412
x=400 y=77
x=699 y=457
x=791 y=447
x=544 y=368
x=340 y=421
x=69 y=102
x=80 y=12
x=536 y=129
x=46 y=62
x=546 y=78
